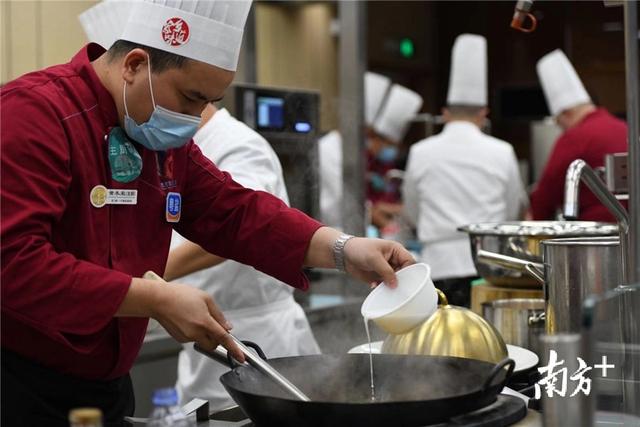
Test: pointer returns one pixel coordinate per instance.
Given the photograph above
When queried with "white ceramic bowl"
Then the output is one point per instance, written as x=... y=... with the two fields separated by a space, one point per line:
x=401 y=309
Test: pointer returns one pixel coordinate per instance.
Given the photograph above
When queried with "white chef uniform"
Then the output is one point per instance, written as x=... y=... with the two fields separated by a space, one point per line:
x=260 y=308
x=461 y=175
x=388 y=111
x=376 y=87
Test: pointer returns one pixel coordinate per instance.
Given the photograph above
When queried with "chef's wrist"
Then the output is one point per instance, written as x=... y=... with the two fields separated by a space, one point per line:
x=156 y=297
x=141 y=300
x=320 y=251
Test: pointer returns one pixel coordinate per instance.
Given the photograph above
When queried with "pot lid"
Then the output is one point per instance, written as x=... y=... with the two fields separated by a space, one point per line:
x=450 y=331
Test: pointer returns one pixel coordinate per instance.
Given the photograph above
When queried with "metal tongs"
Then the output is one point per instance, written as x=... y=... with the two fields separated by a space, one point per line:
x=256 y=361
x=220 y=355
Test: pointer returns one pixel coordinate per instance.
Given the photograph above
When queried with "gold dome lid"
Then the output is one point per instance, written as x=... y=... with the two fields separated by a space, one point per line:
x=450 y=331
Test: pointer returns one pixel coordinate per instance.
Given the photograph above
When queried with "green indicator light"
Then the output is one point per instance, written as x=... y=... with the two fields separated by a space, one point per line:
x=406 y=48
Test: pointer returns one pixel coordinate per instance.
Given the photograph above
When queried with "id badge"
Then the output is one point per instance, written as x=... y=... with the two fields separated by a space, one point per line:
x=173 y=207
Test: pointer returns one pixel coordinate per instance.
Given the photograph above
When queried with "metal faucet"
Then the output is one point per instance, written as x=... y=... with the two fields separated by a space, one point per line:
x=580 y=171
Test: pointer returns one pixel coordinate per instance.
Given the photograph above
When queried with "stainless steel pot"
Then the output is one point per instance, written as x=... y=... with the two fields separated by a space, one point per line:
x=521 y=239
x=573 y=269
x=519 y=320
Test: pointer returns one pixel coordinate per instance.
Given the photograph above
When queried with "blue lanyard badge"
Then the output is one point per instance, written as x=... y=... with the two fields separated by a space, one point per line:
x=124 y=160
x=174 y=207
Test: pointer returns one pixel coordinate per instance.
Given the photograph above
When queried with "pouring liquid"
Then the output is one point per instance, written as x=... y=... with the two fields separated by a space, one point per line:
x=373 y=387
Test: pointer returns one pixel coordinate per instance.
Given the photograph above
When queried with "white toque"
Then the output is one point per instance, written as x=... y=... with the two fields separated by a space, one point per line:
x=398 y=110
x=105 y=22
x=560 y=83
x=376 y=87
x=209 y=31
x=468 y=76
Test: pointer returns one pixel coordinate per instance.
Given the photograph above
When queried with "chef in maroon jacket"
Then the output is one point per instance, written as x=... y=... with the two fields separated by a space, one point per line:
x=590 y=133
x=97 y=168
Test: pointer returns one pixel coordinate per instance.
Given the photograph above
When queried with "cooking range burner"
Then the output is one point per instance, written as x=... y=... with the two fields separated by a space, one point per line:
x=505 y=411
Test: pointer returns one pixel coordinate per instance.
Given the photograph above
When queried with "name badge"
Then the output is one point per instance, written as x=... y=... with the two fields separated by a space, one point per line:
x=122 y=197
x=101 y=196
x=174 y=207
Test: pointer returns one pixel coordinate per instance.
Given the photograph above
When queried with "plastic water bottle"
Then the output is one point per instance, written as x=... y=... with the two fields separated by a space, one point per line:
x=166 y=412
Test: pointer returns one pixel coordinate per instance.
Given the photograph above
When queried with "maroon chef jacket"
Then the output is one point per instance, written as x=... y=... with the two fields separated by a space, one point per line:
x=597 y=135
x=67 y=265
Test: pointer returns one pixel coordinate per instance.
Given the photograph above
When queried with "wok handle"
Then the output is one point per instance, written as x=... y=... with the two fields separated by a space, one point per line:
x=219 y=354
x=222 y=356
x=232 y=362
x=496 y=371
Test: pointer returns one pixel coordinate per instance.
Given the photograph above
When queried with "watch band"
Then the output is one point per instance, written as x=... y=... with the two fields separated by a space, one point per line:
x=338 y=250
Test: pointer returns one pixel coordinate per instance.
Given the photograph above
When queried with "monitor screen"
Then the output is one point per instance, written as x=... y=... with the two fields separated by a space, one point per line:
x=270 y=112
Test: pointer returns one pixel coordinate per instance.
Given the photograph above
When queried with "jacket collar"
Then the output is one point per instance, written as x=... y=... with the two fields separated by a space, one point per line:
x=81 y=63
x=461 y=126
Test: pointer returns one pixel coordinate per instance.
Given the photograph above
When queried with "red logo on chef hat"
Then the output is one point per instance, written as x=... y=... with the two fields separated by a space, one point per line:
x=175 y=32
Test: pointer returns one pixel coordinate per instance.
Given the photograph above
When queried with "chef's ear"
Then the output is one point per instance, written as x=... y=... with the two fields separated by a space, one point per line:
x=134 y=62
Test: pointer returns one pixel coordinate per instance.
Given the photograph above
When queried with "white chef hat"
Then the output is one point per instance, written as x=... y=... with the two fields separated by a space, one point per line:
x=375 y=89
x=399 y=109
x=560 y=83
x=209 y=31
x=105 y=22
x=468 y=76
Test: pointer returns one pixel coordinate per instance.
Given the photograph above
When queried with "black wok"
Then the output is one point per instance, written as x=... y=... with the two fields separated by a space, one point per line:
x=410 y=390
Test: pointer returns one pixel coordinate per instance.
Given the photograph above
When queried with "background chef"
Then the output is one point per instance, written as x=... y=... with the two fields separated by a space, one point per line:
x=80 y=225
x=260 y=308
x=590 y=133
x=388 y=112
x=461 y=175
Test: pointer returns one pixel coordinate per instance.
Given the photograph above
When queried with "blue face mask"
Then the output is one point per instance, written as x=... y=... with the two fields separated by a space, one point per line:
x=387 y=154
x=164 y=130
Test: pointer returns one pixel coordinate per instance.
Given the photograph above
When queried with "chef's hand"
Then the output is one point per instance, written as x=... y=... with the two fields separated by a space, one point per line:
x=369 y=260
x=187 y=313
x=375 y=260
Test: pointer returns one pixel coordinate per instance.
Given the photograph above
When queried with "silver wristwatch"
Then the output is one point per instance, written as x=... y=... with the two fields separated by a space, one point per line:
x=338 y=250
